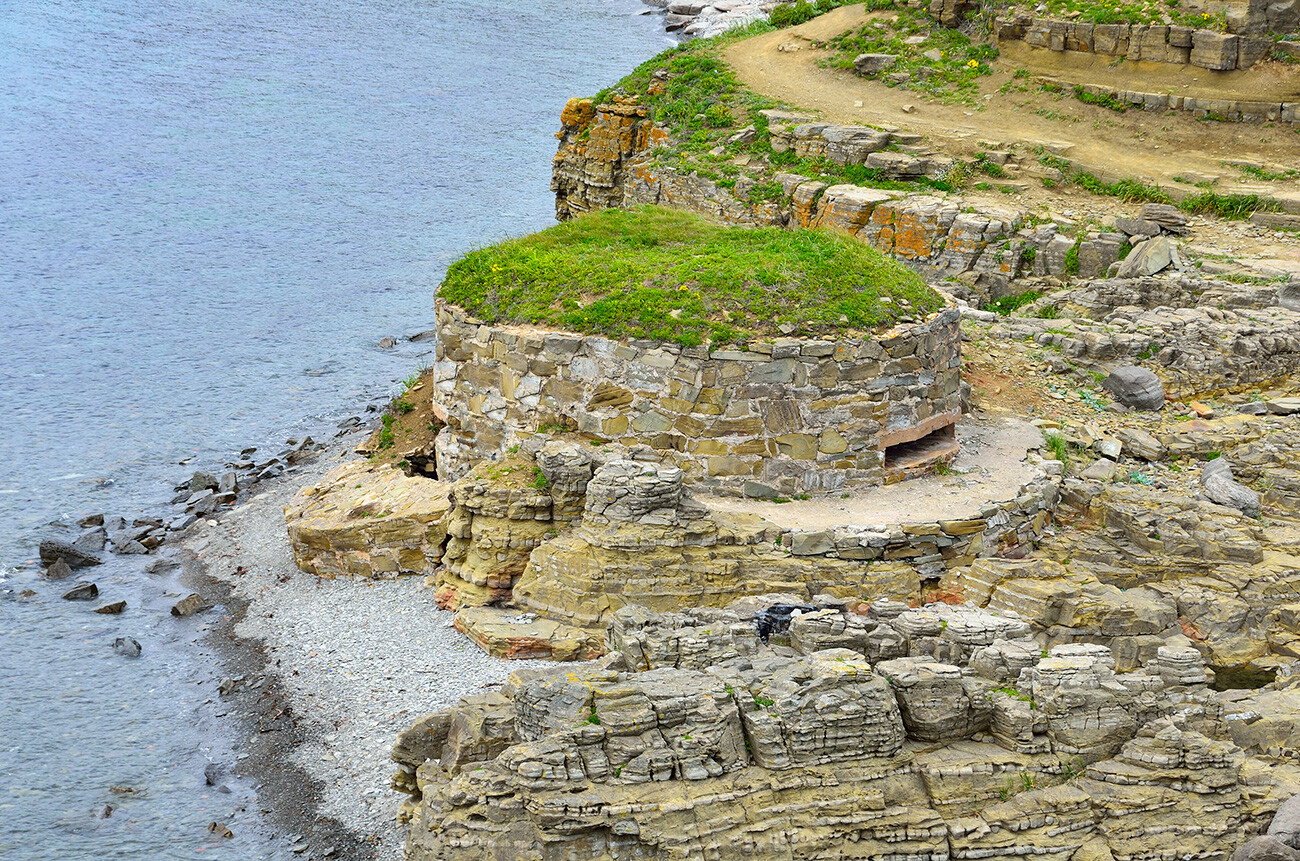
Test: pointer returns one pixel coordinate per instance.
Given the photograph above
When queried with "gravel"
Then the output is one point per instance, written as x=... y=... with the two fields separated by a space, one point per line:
x=357 y=661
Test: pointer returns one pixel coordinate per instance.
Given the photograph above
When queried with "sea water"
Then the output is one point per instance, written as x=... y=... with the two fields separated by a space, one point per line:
x=210 y=214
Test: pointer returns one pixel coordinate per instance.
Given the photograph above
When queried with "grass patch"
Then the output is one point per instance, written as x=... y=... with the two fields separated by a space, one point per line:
x=1234 y=206
x=673 y=276
x=952 y=70
x=1007 y=304
x=1101 y=100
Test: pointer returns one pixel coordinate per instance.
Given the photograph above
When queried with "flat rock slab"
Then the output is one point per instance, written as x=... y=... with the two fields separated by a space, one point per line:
x=992 y=469
x=369 y=521
x=515 y=635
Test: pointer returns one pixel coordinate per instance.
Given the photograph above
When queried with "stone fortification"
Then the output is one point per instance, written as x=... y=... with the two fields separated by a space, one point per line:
x=933 y=733
x=1155 y=43
x=781 y=418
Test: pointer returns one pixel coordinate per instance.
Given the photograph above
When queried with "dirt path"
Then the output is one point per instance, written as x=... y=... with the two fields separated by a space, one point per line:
x=1152 y=146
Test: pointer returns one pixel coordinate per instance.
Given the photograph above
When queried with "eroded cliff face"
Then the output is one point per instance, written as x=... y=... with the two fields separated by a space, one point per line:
x=597 y=147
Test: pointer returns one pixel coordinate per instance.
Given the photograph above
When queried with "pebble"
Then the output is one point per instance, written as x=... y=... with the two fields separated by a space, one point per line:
x=360 y=660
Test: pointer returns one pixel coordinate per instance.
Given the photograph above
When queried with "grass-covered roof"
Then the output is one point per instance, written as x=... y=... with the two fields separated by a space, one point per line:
x=673 y=276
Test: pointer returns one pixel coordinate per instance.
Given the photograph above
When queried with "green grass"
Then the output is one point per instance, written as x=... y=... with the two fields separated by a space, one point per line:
x=954 y=77
x=673 y=276
x=1007 y=304
x=1234 y=206
x=1102 y=100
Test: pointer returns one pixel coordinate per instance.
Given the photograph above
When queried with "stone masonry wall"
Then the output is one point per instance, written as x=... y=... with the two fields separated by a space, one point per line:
x=785 y=417
x=1156 y=43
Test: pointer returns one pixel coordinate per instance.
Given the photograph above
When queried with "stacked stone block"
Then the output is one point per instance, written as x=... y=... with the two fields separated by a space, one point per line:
x=793 y=415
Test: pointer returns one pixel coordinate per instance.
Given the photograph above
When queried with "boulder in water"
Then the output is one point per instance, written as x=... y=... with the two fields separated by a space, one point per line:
x=83 y=591
x=126 y=647
x=52 y=549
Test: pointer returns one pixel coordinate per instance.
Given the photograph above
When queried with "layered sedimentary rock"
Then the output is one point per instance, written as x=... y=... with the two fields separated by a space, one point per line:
x=641 y=541
x=793 y=415
x=748 y=753
x=364 y=520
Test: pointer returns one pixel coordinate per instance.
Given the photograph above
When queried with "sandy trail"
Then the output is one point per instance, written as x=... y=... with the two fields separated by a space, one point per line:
x=1152 y=146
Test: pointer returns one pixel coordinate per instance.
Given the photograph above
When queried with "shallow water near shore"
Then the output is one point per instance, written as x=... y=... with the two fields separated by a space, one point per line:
x=210 y=214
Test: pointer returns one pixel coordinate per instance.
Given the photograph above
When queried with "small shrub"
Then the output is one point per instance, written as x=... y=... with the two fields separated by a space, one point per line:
x=1101 y=100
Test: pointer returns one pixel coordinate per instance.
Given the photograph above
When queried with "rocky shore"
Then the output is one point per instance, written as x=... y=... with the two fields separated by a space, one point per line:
x=326 y=672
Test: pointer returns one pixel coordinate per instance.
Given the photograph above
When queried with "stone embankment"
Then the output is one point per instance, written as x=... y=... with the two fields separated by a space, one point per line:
x=779 y=418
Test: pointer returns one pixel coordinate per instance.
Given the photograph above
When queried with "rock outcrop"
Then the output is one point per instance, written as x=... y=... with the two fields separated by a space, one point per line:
x=366 y=520
x=702 y=742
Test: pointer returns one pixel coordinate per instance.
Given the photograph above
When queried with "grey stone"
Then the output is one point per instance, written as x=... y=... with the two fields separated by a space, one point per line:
x=1253 y=408
x=1171 y=218
x=83 y=591
x=92 y=540
x=1285 y=826
x=1266 y=848
x=873 y=64
x=1212 y=50
x=111 y=609
x=58 y=570
x=1111 y=448
x=52 y=549
x=1137 y=227
x=1283 y=406
x=758 y=490
x=229 y=483
x=1103 y=469
x=387 y=343
x=1136 y=387
x=1147 y=258
x=1222 y=488
x=127 y=647
x=202 y=481
x=426 y=335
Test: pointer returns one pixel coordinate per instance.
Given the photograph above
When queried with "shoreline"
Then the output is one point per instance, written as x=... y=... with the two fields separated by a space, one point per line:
x=332 y=671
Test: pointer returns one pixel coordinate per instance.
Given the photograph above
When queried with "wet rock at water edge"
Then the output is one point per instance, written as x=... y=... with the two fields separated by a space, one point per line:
x=426 y=335
x=189 y=605
x=111 y=609
x=83 y=591
x=387 y=343
x=162 y=565
x=229 y=483
x=58 y=570
x=92 y=540
x=52 y=549
x=91 y=520
x=127 y=647
x=213 y=772
x=1136 y=387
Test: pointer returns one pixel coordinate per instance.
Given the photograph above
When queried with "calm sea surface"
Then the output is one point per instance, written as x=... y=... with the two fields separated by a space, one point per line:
x=210 y=213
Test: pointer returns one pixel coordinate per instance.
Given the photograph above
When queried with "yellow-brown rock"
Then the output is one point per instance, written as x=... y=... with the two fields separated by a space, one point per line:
x=367 y=520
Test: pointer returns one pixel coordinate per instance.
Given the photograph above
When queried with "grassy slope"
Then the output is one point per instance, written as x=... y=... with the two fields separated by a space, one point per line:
x=673 y=276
